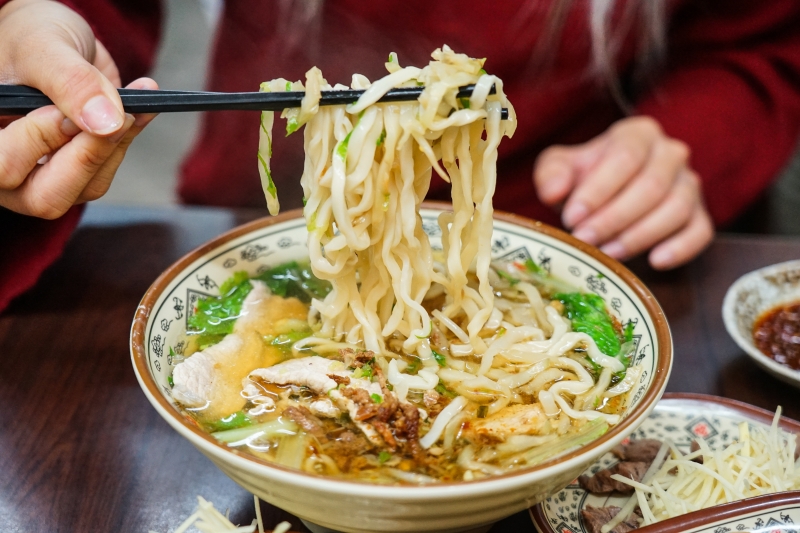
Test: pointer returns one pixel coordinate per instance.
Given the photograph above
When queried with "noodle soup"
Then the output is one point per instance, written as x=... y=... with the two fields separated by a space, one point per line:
x=257 y=376
x=382 y=358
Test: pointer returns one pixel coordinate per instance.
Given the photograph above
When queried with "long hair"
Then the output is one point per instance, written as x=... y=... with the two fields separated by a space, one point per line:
x=651 y=15
x=647 y=16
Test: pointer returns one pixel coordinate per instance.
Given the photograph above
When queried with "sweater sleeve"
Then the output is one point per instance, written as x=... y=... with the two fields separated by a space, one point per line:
x=731 y=90
x=129 y=30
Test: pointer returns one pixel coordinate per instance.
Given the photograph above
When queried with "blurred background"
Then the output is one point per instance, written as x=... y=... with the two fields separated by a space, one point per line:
x=148 y=174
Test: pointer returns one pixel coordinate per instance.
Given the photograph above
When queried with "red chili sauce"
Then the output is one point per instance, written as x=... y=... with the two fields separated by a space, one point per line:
x=777 y=334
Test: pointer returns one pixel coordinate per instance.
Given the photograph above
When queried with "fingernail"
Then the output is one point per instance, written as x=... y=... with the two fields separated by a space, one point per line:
x=614 y=249
x=574 y=213
x=117 y=137
x=587 y=235
x=69 y=128
x=662 y=258
x=100 y=116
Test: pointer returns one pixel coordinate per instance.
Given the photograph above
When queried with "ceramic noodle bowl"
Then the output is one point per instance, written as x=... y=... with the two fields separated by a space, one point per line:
x=348 y=506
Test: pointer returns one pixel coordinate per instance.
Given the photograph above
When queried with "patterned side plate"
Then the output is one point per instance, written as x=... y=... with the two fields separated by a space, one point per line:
x=683 y=418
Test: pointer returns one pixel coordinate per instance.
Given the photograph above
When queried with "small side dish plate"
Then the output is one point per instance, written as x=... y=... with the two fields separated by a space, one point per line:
x=683 y=418
x=749 y=297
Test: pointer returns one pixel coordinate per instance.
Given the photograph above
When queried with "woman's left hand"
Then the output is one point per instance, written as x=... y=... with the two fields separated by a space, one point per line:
x=629 y=190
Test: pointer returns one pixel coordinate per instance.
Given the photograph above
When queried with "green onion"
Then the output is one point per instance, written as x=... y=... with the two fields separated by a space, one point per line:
x=533 y=267
x=430 y=330
x=508 y=277
x=444 y=391
x=590 y=431
x=384 y=456
x=376 y=398
x=483 y=410
x=341 y=148
x=236 y=420
x=292 y=450
x=268 y=430
x=363 y=372
x=439 y=358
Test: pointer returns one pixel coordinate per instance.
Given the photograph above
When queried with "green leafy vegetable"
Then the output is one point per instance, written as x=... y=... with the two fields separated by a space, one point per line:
x=381 y=138
x=285 y=341
x=440 y=359
x=295 y=279
x=384 y=456
x=627 y=333
x=376 y=398
x=215 y=315
x=588 y=315
x=170 y=381
x=271 y=189
x=464 y=102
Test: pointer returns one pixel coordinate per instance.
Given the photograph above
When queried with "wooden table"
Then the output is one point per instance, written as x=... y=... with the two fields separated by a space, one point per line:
x=82 y=450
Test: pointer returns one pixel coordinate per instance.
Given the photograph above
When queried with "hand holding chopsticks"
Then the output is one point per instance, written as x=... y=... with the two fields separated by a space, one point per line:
x=20 y=100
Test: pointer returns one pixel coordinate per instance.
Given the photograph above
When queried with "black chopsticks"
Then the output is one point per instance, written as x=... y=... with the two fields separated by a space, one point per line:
x=20 y=100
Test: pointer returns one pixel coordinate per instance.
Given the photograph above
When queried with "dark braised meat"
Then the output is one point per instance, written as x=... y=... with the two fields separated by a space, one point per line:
x=434 y=402
x=596 y=517
x=354 y=359
x=407 y=425
x=397 y=423
x=384 y=431
x=693 y=448
x=340 y=380
x=366 y=407
x=306 y=420
x=348 y=446
x=643 y=450
x=602 y=482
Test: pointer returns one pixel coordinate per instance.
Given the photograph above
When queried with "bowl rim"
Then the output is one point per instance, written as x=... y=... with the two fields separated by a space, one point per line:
x=730 y=314
x=520 y=477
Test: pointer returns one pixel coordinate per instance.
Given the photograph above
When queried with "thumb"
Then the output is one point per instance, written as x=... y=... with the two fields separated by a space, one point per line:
x=55 y=48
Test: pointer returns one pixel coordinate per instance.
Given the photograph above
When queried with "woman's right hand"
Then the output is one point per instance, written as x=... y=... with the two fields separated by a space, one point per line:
x=68 y=153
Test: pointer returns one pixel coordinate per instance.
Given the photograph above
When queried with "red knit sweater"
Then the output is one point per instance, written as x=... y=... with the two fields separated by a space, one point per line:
x=730 y=89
